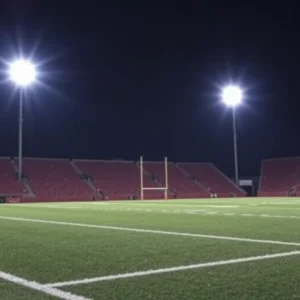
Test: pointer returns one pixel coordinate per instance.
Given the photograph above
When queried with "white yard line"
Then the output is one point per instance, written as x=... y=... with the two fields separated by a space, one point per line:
x=173 y=269
x=57 y=206
x=281 y=216
x=266 y=216
x=281 y=203
x=220 y=206
x=204 y=212
x=150 y=231
x=40 y=287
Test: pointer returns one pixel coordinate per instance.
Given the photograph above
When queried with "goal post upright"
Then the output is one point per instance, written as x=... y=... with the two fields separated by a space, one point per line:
x=166 y=178
x=142 y=177
x=157 y=188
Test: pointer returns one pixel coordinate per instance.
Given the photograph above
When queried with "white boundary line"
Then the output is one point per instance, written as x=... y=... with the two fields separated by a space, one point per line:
x=150 y=231
x=173 y=269
x=195 y=211
x=40 y=287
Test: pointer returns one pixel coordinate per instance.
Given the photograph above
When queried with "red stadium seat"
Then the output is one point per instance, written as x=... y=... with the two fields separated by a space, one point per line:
x=8 y=179
x=116 y=179
x=180 y=184
x=279 y=176
x=53 y=179
x=213 y=179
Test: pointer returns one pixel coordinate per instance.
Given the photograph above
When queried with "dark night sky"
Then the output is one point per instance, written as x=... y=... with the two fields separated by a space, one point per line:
x=130 y=78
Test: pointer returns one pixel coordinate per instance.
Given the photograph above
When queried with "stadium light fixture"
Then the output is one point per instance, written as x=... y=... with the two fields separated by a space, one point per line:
x=232 y=96
x=23 y=73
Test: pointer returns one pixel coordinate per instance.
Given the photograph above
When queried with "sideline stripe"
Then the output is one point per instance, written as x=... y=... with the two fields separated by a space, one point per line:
x=40 y=288
x=202 y=212
x=162 y=232
x=173 y=269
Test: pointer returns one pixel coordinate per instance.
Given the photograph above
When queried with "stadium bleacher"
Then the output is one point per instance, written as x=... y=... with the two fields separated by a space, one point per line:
x=212 y=179
x=9 y=185
x=179 y=183
x=279 y=176
x=115 y=179
x=55 y=179
x=62 y=180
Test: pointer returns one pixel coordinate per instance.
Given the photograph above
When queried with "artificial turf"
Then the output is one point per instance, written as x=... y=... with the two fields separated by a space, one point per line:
x=49 y=253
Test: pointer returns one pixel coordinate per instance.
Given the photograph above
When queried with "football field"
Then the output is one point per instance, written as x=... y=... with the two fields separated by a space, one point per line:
x=177 y=249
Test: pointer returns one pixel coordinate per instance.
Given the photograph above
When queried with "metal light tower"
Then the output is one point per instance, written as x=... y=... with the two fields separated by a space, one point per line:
x=232 y=96
x=22 y=73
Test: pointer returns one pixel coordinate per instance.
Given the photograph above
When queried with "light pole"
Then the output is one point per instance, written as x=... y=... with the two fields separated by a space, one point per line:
x=232 y=96
x=22 y=73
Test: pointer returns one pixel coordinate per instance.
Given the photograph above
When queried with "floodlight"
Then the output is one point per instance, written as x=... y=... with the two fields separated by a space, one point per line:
x=22 y=72
x=232 y=95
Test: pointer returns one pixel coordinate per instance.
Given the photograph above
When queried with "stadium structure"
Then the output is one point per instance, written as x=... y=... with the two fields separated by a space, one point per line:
x=78 y=180
x=50 y=180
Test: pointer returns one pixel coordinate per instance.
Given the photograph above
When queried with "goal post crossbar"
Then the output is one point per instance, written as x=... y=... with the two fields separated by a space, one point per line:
x=154 y=188
x=144 y=188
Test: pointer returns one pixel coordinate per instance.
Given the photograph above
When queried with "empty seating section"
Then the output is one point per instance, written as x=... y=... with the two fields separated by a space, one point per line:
x=55 y=180
x=8 y=179
x=116 y=179
x=279 y=176
x=179 y=184
x=212 y=179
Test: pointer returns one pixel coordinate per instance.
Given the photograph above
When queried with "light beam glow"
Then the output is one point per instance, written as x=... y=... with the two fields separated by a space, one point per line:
x=22 y=72
x=232 y=95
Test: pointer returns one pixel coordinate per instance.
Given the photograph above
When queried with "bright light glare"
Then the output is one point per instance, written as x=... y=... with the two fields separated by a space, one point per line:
x=22 y=72
x=232 y=95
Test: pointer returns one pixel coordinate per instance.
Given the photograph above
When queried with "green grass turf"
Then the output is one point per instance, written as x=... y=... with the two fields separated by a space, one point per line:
x=52 y=253
x=276 y=280
x=10 y=291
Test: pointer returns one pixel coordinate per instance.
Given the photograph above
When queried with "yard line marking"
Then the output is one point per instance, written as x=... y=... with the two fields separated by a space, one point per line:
x=196 y=210
x=279 y=216
x=49 y=206
x=220 y=206
x=173 y=269
x=190 y=212
x=281 y=203
x=152 y=231
x=267 y=216
x=40 y=287
x=204 y=212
